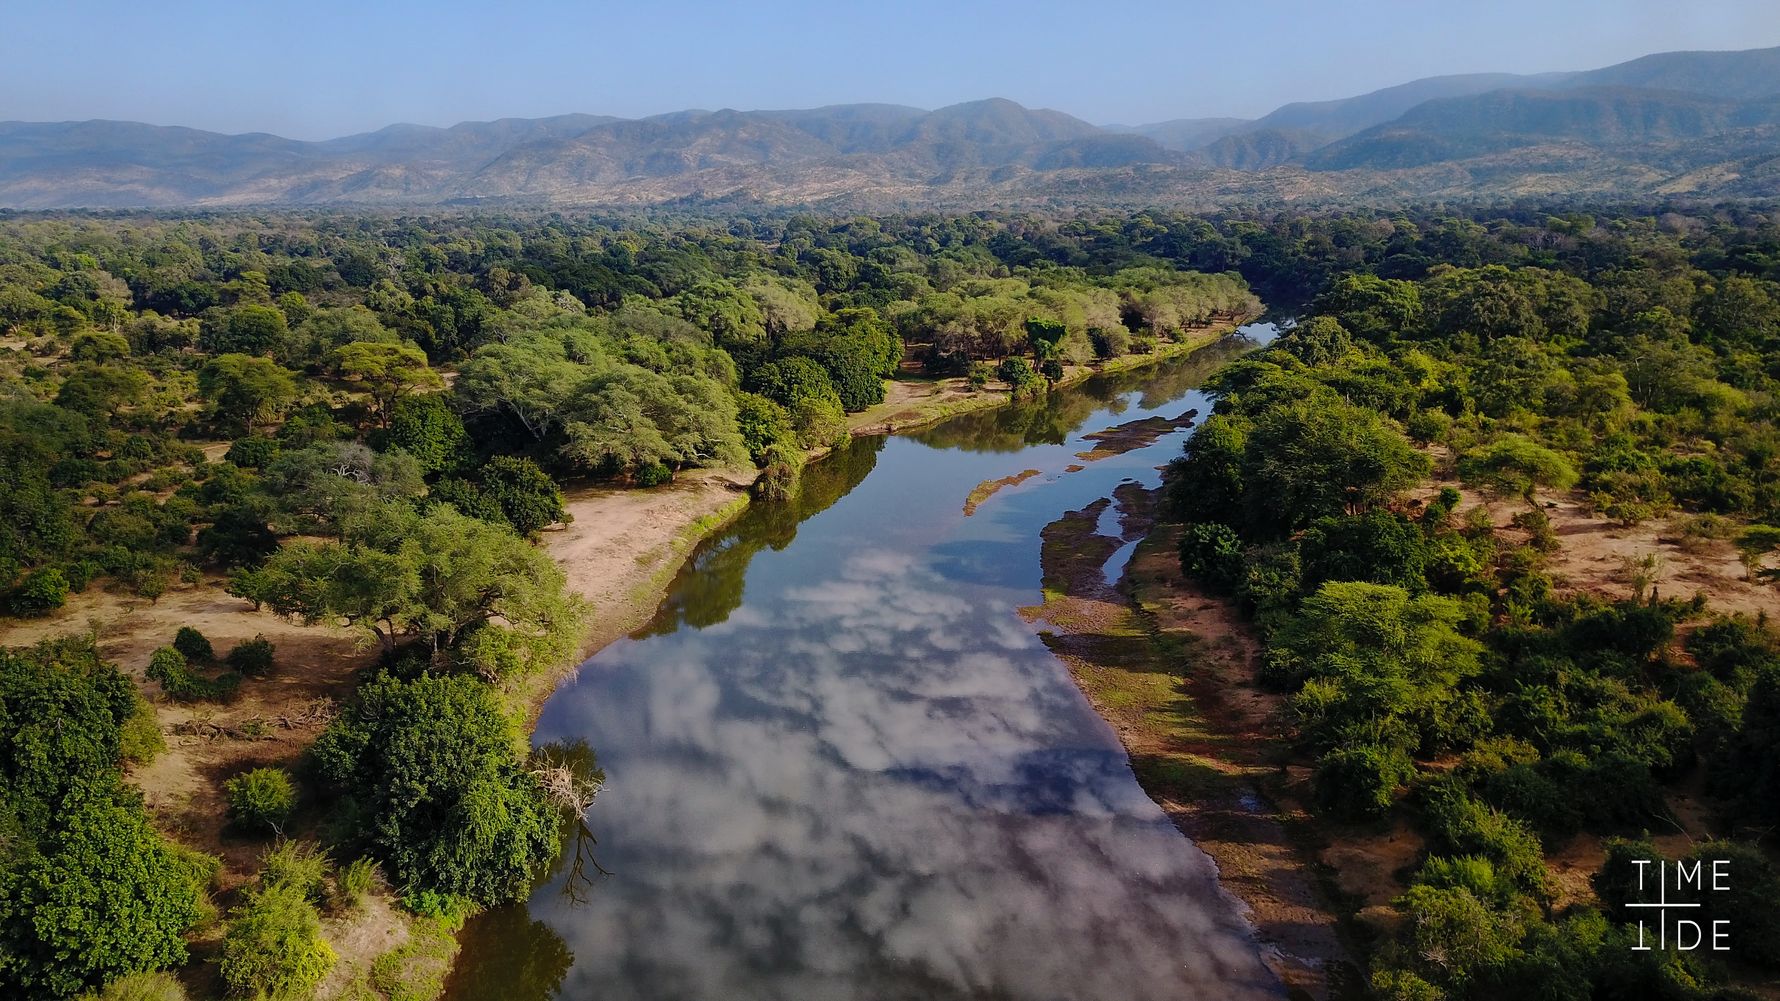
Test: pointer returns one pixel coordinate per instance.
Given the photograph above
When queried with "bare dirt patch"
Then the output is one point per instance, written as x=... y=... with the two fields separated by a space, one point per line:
x=623 y=545
x=316 y=666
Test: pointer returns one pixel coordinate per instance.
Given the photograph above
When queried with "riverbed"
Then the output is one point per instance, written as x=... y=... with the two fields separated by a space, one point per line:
x=840 y=765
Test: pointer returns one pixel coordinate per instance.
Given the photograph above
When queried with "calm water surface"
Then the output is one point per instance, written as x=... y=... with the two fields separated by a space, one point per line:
x=841 y=766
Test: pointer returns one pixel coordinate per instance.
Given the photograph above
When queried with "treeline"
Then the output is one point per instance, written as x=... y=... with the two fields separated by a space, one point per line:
x=322 y=346
x=1435 y=669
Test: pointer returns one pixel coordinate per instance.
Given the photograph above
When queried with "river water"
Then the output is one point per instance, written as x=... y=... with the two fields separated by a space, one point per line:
x=841 y=766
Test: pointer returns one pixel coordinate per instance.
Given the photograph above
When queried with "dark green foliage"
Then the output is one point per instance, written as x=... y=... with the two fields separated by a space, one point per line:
x=1312 y=460
x=1212 y=553
x=426 y=427
x=88 y=891
x=1358 y=782
x=249 y=330
x=1378 y=547
x=238 y=537
x=41 y=592
x=429 y=768
x=763 y=423
x=169 y=668
x=653 y=475
x=194 y=645
x=529 y=499
x=253 y=451
x=261 y=799
x=1206 y=484
x=252 y=658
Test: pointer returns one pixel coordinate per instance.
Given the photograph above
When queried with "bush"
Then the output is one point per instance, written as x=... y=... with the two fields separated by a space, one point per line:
x=169 y=668
x=355 y=880
x=1359 y=783
x=261 y=799
x=653 y=474
x=273 y=950
x=300 y=865
x=451 y=908
x=252 y=657
x=41 y=592
x=140 y=987
x=253 y=451
x=194 y=645
x=430 y=764
x=1212 y=553
x=139 y=737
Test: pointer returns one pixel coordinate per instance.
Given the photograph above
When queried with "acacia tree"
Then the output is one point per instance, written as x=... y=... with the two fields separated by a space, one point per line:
x=247 y=389
x=387 y=371
x=435 y=576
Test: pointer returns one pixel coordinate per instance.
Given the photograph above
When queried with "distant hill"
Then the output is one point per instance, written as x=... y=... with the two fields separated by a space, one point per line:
x=1606 y=117
x=1705 y=123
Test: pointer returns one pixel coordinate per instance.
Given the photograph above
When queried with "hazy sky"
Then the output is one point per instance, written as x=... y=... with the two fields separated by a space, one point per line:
x=321 y=69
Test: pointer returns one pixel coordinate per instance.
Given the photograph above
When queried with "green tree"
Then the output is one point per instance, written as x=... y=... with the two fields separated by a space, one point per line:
x=429 y=767
x=261 y=799
x=1313 y=459
x=388 y=372
x=248 y=329
x=247 y=390
x=426 y=427
x=527 y=497
x=1514 y=465
x=398 y=573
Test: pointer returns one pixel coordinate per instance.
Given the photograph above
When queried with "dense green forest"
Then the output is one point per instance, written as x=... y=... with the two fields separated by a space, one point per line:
x=1435 y=669
x=369 y=420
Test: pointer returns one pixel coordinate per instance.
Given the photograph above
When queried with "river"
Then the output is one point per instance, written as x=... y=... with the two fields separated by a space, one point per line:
x=841 y=766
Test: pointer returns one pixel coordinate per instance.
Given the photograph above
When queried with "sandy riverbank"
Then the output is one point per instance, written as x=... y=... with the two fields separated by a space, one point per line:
x=1174 y=681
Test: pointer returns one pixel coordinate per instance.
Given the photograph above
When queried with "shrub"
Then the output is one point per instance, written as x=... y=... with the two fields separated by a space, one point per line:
x=653 y=474
x=1359 y=783
x=261 y=799
x=41 y=592
x=354 y=881
x=139 y=737
x=252 y=657
x=253 y=451
x=300 y=865
x=1212 y=553
x=273 y=950
x=140 y=987
x=168 y=667
x=431 y=763
x=451 y=908
x=194 y=645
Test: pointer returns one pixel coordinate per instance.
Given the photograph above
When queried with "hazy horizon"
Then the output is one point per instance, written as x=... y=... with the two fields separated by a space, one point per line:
x=332 y=70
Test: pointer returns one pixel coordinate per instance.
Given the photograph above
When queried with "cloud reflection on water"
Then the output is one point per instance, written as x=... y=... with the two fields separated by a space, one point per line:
x=842 y=779
x=865 y=787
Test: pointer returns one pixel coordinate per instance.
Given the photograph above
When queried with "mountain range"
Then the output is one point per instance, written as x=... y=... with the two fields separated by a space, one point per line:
x=1693 y=123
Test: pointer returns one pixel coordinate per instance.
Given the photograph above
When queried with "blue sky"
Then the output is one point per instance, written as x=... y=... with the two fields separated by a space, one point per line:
x=324 y=68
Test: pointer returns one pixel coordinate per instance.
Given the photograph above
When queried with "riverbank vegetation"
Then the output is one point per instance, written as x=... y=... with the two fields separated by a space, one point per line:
x=1439 y=672
x=366 y=423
